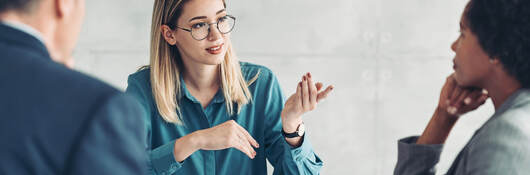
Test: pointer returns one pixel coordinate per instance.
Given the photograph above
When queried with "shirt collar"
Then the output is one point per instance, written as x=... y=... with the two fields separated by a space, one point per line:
x=218 y=98
x=24 y=28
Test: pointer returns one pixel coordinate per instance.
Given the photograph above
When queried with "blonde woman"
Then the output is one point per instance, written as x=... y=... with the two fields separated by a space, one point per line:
x=207 y=113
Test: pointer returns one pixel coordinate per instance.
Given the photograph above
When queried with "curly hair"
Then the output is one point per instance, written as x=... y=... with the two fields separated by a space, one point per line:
x=503 y=31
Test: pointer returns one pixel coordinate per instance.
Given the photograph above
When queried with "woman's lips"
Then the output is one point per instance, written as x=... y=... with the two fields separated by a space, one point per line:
x=215 y=49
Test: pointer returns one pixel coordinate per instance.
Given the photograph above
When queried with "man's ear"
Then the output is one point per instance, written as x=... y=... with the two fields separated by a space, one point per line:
x=63 y=7
x=168 y=34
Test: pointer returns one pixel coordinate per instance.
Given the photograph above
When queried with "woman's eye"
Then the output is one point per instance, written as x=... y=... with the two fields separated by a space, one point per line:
x=222 y=19
x=198 y=25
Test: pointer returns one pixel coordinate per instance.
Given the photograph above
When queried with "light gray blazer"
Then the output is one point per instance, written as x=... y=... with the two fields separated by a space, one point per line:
x=500 y=146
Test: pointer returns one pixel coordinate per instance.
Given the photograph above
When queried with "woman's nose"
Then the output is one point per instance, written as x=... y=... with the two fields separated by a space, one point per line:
x=214 y=33
x=453 y=46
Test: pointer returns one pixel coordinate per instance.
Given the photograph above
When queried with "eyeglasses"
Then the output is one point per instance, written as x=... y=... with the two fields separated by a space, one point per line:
x=200 y=31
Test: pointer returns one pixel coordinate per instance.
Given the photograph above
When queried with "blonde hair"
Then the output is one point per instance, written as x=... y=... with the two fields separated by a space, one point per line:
x=166 y=64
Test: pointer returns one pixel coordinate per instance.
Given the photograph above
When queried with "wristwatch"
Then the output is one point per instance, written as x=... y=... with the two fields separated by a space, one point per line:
x=298 y=133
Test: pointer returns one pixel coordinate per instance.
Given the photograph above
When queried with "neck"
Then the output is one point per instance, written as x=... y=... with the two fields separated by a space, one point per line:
x=501 y=87
x=201 y=77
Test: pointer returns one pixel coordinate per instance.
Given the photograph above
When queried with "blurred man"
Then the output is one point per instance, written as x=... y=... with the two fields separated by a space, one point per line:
x=54 y=120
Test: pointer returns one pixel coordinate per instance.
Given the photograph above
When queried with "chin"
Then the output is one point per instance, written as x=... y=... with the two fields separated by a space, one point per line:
x=464 y=81
x=459 y=78
x=459 y=81
x=218 y=59
x=214 y=60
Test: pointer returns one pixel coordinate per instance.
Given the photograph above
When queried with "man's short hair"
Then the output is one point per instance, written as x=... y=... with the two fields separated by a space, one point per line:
x=17 y=5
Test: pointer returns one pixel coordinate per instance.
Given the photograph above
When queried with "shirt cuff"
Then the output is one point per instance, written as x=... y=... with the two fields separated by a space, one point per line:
x=304 y=151
x=417 y=157
x=163 y=160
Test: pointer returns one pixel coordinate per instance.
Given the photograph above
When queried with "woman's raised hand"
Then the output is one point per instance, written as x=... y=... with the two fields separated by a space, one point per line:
x=306 y=98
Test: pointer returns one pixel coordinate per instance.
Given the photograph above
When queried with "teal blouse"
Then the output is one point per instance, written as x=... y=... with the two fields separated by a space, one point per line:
x=261 y=118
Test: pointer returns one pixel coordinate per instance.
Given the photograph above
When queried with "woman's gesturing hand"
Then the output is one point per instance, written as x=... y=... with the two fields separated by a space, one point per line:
x=306 y=98
x=227 y=135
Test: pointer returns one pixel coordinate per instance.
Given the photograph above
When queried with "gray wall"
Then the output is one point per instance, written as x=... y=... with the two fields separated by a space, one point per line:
x=387 y=59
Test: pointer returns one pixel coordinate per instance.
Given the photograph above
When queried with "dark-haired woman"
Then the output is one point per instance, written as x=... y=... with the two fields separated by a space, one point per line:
x=492 y=61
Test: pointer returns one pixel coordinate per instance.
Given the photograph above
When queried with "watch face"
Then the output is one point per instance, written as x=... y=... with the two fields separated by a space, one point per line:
x=301 y=129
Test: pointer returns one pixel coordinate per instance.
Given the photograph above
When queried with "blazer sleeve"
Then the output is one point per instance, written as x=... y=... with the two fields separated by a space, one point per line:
x=416 y=159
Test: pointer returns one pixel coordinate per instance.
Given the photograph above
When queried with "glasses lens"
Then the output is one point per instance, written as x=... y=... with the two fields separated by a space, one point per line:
x=226 y=24
x=200 y=31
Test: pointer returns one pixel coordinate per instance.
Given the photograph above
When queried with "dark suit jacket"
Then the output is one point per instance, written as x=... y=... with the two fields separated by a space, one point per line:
x=54 y=120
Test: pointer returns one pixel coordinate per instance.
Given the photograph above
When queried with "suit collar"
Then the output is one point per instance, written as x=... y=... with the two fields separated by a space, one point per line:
x=18 y=38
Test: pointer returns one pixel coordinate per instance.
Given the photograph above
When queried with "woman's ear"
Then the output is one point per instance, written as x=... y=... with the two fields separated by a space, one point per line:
x=168 y=34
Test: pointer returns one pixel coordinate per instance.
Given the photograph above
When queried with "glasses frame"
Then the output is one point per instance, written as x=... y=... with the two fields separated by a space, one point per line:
x=209 y=27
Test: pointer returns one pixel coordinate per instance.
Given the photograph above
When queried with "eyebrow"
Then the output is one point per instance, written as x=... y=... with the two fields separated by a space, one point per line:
x=204 y=17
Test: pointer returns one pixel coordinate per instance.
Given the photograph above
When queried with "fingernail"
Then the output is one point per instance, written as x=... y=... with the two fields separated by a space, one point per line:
x=467 y=101
x=257 y=145
x=304 y=78
x=309 y=74
x=484 y=91
x=452 y=110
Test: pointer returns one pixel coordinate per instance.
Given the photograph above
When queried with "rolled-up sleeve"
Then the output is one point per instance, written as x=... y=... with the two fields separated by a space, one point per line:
x=305 y=151
x=417 y=158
